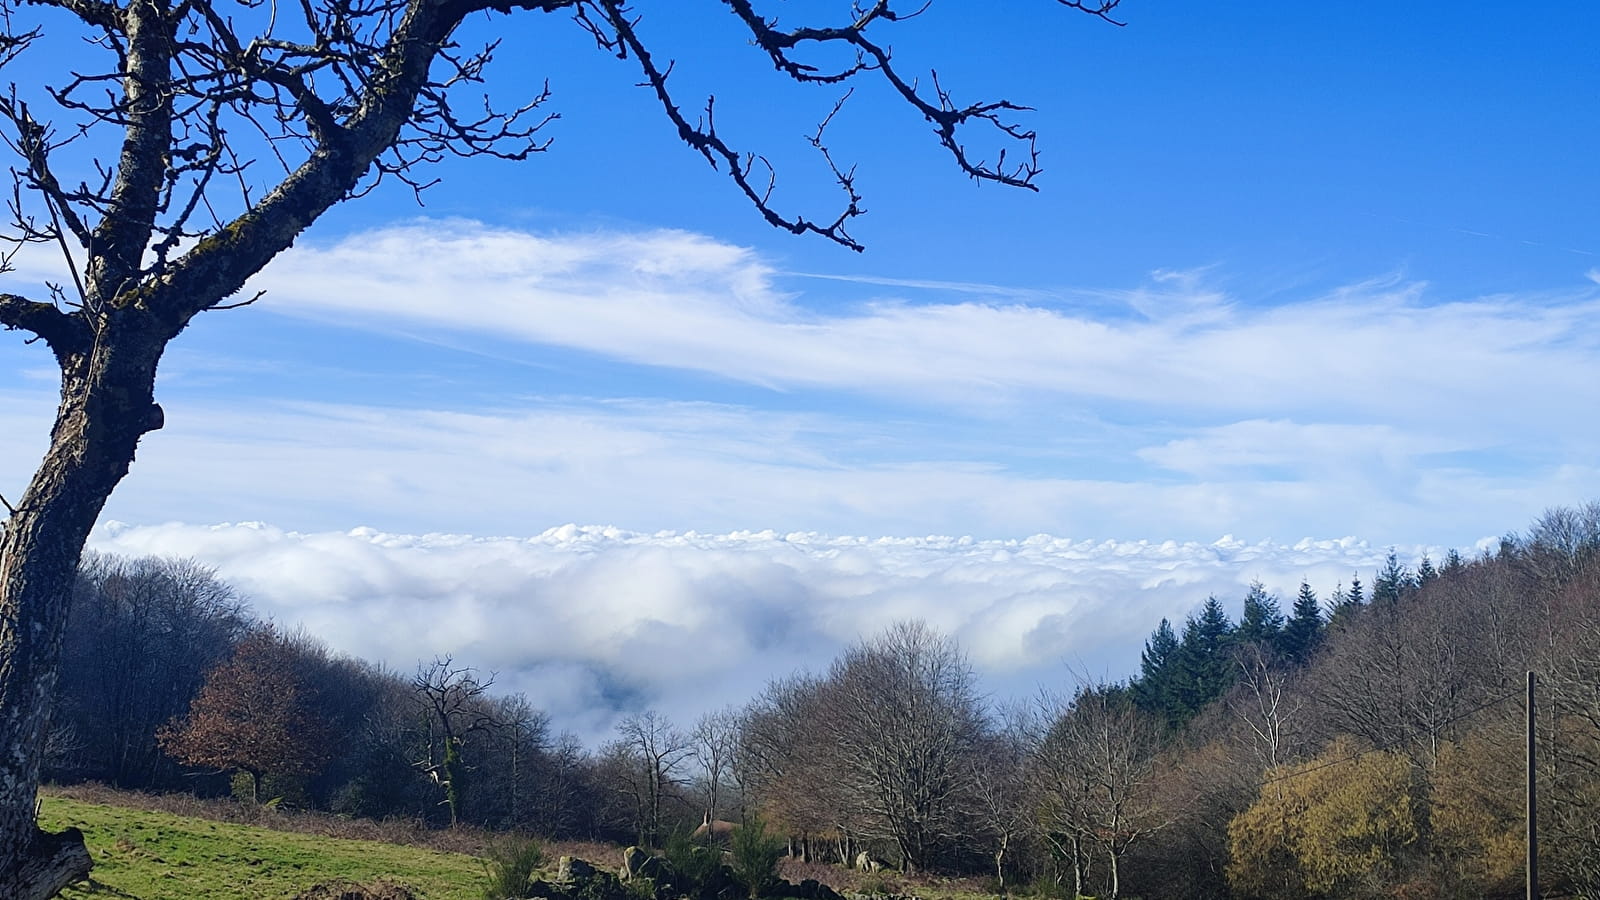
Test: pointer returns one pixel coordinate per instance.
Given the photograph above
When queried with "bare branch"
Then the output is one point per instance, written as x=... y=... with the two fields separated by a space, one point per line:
x=92 y=12
x=624 y=40
x=239 y=305
x=64 y=332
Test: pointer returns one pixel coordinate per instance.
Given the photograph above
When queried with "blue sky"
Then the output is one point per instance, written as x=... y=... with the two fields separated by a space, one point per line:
x=1302 y=283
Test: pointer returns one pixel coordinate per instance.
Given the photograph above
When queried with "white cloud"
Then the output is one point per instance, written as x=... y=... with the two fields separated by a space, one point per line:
x=649 y=466
x=590 y=620
x=685 y=301
x=1315 y=449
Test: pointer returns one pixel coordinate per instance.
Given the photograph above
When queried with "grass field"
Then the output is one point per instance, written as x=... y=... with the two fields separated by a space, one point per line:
x=174 y=847
x=151 y=855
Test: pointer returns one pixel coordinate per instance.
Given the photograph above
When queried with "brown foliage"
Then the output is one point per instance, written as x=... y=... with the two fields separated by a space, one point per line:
x=252 y=715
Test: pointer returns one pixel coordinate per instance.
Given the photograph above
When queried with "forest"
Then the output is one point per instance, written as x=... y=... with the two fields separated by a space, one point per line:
x=1367 y=741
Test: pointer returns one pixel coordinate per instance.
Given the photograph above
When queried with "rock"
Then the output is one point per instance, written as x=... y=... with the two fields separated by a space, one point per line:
x=654 y=867
x=812 y=889
x=866 y=863
x=570 y=869
x=633 y=859
x=544 y=890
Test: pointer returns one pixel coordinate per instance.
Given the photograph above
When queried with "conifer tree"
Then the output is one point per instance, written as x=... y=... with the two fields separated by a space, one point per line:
x=1346 y=602
x=1393 y=581
x=1206 y=665
x=1303 y=632
x=1453 y=562
x=1262 y=622
x=1425 y=572
x=1159 y=672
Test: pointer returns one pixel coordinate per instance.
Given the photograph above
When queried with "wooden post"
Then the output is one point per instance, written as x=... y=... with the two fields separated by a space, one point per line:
x=1533 y=805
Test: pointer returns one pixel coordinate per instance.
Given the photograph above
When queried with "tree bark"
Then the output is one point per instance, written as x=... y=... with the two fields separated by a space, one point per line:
x=106 y=405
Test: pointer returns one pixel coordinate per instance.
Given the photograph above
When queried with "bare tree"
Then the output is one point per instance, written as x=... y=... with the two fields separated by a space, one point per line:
x=1099 y=758
x=656 y=752
x=455 y=707
x=141 y=637
x=785 y=763
x=201 y=144
x=905 y=718
x=1000 y=795
x=515 y=762
x=715 y=741
x=1261 y=702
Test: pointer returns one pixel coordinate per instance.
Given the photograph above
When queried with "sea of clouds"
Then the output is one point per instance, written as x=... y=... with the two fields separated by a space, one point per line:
x=594 y=622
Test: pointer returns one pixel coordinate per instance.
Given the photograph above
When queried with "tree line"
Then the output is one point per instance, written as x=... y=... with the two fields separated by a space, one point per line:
x=1367 y=744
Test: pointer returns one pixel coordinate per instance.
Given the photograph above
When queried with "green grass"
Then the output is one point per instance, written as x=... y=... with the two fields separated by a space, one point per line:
x=160 y=856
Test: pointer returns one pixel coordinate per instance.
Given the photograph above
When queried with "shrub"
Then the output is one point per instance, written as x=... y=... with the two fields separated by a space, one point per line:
x=691 y=860
x=509 y=867
x=756 y=855
x=878 y=883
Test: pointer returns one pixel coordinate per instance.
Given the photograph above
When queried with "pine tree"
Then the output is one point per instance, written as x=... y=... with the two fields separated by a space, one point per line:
x=1262 y=621
x=1303 y=632
x=1426 y=573
x=1453 y=562
x=1159 y=666
x=1393 y=581
x=1205 y=661
x=1346 y=602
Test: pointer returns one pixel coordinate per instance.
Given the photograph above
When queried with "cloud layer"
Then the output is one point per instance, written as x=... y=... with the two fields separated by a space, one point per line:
x=672 y=299
x=667 y=380
x=590 y=621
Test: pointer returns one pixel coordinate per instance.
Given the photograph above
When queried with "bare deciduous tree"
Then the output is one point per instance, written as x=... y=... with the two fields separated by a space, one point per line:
x=455 y=707
x=1261 y=702
x=714 y=743
x=199 y=143
x=1001 y=814
x=904 y=715
x=1098 y=758
x=654 y=752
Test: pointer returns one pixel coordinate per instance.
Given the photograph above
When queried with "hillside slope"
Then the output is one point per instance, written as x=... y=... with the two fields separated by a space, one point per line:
x=159 y=856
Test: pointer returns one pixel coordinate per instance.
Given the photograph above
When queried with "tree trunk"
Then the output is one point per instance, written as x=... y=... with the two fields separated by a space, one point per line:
x=106 y=405
x=1078 y=873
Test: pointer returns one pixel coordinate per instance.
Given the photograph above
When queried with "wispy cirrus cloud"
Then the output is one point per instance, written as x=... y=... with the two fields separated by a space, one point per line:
x=685 y=301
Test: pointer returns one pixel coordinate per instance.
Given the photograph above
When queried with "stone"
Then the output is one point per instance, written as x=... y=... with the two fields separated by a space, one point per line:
x=570 y=869
x=654 y=867
x=633 y=859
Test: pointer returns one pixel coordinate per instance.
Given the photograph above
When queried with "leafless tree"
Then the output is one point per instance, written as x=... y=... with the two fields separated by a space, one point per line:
x=1402 y=675
x=905 y=719
x=785 y=763
x=513 y=764
x=143 y=633
x=656 y=752
x=999 y=785
x=1261 y=702
x=714 y=744
x=1098 y=761
x=455 y=706
x=189 y=144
